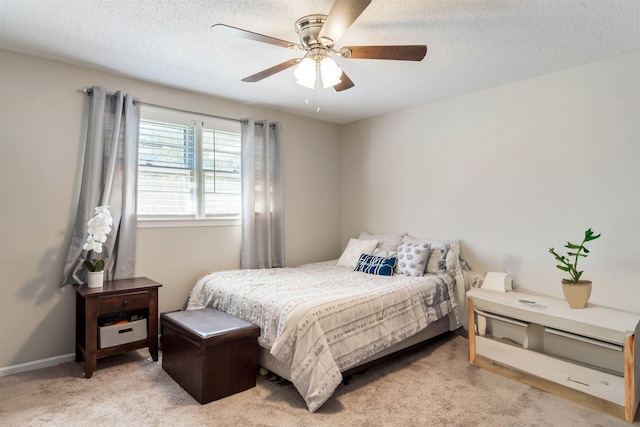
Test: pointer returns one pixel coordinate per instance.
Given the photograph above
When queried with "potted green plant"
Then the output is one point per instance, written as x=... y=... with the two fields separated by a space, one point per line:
x=576 y=290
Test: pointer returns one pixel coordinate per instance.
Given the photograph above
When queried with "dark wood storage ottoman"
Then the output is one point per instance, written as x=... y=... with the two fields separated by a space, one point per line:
x=211 y=354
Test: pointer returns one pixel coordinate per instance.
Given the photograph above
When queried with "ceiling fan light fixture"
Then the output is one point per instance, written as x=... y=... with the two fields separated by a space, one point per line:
x=318 y=35
x=305 y=73
x=330 y=72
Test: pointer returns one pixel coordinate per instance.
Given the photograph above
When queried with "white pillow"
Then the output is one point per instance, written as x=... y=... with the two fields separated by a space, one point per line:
x=439 y=250
x=412 y=258
x=435 y=243
x=387 y=243
x=437 y=259
x=354 y=249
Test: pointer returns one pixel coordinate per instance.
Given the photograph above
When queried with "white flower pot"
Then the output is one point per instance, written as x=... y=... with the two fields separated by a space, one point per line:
x=95 y=279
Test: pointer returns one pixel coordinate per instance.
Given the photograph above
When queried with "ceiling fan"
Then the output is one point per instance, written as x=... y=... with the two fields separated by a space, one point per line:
x=318 y=36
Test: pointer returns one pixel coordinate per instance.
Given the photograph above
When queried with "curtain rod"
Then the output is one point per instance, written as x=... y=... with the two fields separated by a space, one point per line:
x=89 y=92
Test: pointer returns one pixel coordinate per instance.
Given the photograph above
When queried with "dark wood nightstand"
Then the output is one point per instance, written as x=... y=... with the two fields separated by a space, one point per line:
x=117 y=296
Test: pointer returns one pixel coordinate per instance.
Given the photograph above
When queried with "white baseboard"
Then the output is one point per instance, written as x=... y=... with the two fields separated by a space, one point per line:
x=37 y=364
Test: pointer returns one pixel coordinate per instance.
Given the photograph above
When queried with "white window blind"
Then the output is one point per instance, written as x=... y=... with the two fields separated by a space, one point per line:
x=188 y=166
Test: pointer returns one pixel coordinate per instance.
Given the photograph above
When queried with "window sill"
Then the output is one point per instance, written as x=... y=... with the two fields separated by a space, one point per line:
x=184 y=223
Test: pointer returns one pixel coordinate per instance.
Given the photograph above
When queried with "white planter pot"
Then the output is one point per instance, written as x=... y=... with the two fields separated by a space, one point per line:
x=95 y=279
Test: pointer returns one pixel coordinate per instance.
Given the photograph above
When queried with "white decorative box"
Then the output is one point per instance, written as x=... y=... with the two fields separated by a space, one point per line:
x=113 y=335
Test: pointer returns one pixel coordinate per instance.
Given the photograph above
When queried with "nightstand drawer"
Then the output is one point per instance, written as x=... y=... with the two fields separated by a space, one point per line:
x=123 y=302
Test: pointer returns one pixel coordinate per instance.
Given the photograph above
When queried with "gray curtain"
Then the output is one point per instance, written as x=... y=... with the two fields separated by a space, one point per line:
x=262 y=201
x=109 y=177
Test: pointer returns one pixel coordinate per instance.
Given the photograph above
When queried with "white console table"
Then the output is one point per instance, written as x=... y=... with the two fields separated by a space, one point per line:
x=587 y=355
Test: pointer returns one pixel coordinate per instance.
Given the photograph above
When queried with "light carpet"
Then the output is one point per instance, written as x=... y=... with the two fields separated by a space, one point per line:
x=432 y=386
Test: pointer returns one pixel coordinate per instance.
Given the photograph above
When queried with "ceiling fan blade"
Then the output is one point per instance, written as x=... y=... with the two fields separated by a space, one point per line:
x=344 y=84
x=343 y=13
x=271 y=71
x=238 y=32
x=398 y=53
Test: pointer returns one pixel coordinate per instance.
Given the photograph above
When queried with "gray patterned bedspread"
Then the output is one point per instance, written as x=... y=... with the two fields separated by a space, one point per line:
x=321 y=319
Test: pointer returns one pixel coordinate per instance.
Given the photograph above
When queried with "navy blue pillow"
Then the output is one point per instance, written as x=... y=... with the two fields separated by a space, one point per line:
x=372 y=264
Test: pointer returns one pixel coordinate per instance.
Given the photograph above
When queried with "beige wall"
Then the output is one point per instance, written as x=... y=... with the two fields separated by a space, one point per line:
x=512 y=171
x=42 y=116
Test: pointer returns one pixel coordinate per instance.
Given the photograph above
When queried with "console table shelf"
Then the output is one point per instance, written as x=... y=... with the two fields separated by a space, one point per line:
x=587 y=355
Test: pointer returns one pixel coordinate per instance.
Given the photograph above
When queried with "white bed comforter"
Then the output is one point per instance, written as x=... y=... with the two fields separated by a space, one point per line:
x=320 y=319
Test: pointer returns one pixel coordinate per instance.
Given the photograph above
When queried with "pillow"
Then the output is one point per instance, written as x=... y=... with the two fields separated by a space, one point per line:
x=437 y=259
x=387 y=243
x=354 y=249
x=378 y=265
x=433 y=242
x=412 y=258
x=447 y=245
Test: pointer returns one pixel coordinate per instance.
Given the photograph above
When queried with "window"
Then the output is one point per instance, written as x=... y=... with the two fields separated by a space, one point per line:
x=188 y=166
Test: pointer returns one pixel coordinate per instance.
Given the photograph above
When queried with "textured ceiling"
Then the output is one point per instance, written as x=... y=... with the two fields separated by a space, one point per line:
x=473 y=45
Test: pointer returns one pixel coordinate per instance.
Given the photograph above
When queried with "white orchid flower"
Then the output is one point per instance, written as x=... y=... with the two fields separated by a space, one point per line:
x=98 y=227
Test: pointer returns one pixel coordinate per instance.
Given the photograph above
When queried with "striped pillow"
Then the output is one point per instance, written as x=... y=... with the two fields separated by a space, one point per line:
x=378 y=265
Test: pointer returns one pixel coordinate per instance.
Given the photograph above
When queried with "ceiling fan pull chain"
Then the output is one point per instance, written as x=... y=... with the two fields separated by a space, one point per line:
x=317 y=87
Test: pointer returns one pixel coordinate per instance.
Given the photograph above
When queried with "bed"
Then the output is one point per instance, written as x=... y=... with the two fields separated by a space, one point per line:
x=322 y=319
